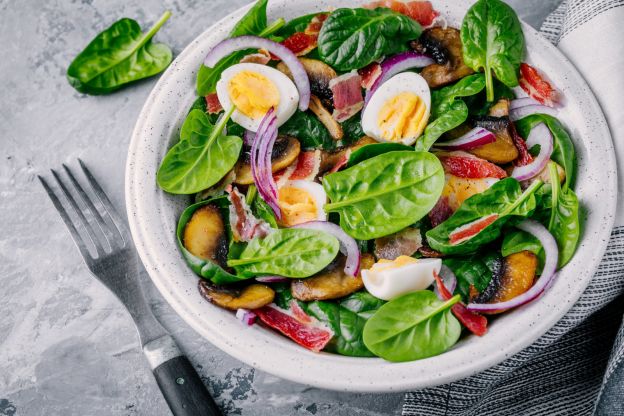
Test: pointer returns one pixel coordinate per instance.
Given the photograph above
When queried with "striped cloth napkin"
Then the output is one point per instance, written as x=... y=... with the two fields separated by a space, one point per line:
x=576 y=368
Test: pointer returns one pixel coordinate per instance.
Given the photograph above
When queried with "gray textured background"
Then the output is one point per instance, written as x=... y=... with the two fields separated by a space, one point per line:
x=66 y=345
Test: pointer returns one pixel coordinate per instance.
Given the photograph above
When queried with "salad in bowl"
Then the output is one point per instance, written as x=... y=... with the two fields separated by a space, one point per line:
x=372 y=181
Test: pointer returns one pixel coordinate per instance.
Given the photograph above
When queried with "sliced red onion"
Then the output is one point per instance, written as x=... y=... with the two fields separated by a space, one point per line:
x=522 y=102
x=395 y=64
x=449 y=279
x=348 y=246
x=248 y=137
x=526 y=110
x=272 y=279
x=548 y=273
x=246 y=316
x=261 y=150
x=540 y=134
x=474 y=138
x=300 y=77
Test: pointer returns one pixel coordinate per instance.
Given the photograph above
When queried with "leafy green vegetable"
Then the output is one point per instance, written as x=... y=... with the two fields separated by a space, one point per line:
x=260 y=208
x=199 y=104
x=475 y=270
x=504 y=198
x=353 y=38
x=517 y=240
x=312 y=134
x=254 y=22
x=384 y=194
x=204 y=268
x=492 y=40
x=563 y=152
x=346 y=318
x=447 y=110
x=117 y=56
x=298 y=24
x=374 y=149
x=478 y=105
x=352 y=129
x=289 y=252
x=200 y=160
x=413 y=326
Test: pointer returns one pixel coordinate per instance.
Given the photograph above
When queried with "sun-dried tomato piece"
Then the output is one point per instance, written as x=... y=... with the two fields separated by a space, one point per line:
x=536 y=86
x=308 y=335
x=470 y=167
x=475 y=323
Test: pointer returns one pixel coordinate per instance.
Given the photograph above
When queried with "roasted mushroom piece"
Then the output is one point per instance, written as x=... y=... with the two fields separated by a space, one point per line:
x=445 y=47
x=285 y=151
x=331 y=283
x=253 y=296
x=319 y=74
x=514 y=276
x=204 y=235
x=333 y=127
x=329 y=159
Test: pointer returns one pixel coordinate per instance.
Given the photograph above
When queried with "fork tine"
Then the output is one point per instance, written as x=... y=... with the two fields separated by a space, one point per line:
x=102 y=223
x=108 y=206
x=96 y=243
x=68 y=222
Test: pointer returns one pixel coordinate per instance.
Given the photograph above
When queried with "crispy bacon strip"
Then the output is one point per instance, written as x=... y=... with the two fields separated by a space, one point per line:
x=306 y=167
x=369 y=74
x=245 y=226
x=261 y=57
x=213 y=105
x=347 y=92
x=315 y=25
x=475 y=323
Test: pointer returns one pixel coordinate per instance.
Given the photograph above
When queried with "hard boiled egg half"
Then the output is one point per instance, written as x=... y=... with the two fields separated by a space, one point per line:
x=301 y=201
x=253 y=89
x=389 y=279
x=399 y=109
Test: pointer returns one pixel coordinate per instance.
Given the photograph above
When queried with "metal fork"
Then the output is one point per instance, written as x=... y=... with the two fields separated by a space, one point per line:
x=107 y=249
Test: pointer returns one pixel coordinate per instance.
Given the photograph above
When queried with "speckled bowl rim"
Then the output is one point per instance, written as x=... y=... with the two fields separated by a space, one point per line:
x=153 y=215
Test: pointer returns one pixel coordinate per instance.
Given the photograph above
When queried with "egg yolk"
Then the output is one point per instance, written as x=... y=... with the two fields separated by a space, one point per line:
x=400 y=261
x=402 y=116
x=253 y=94
x=297 y=206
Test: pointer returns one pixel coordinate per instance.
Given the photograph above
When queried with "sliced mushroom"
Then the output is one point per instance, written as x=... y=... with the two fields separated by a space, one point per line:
x=253 y=296
x=515 y=276
x=216 y=189
x=330 y=159
x=285 y=151
x=331 y=283
x=319 y=74
x=445 y=47
x=325 y=117
x=204 y=235
x=503 y=150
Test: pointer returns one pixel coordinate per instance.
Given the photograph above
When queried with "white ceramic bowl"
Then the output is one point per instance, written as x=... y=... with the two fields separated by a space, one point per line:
x=153 y=215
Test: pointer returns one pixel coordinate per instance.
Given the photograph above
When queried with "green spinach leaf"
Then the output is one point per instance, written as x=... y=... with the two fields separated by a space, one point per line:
x=200 y=160
x=289 y=252
x=414 y=326
x=353 y=38
x=310 y=132
x=346 y=318
x=118 y=56
x=475 y=270
x=563 y=151
x=492 y=40
x=504 y=198
x=448 y=110
x=384 y=194
x=374 y=149
x=298 y=24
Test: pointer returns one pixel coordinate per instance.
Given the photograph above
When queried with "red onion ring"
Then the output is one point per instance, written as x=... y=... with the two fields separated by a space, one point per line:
x=548 y=273
x=246 y=316
x=272 y=279
x=527 y=110
x=300 y=77
x=522 y=102
x=474 y=138
x=348 y=246
x=540 y=134
x=448 y=279
x=261 y=150
x=395 y=64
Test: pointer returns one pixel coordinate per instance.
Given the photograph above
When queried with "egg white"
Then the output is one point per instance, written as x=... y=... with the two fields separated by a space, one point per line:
x=403 y=82
x=289 y=96
x=396 y=281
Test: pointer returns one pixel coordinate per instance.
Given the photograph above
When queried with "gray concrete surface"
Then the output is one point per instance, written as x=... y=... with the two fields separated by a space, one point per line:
x=66 y=345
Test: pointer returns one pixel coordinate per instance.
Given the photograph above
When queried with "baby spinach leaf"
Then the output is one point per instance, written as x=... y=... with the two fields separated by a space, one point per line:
x=384 y=194
x=475 y=270
x=346 y=318
x=117 y=56
x=516 y=241
x=414 y=326
x=447 y=110
x=478 y=105
x=563 y=151
x=374 y=149
x=352 y=129
x=298 y=24
x=353 y=38
x=492 y=40
x=260 y=208
x=204 y=268
x=200 y=160
x=289 y=252
x=310 y=132
x=254 y=22
x=504 y=198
